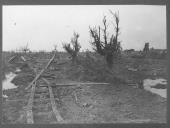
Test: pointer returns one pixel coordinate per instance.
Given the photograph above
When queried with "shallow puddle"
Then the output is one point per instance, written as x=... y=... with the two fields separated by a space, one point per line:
x=5 y=96
x=6 y=84
x=149 y=85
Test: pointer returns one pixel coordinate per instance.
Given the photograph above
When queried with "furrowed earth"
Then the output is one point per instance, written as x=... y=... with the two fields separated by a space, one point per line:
x=117 y=102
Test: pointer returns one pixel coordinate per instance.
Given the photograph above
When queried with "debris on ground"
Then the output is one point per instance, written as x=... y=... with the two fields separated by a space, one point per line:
x=122 y=101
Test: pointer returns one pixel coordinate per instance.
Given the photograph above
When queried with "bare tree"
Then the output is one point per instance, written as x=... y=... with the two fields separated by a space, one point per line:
x=74 y=49
x=25 y=49
x=110 y=48
x=55 y=47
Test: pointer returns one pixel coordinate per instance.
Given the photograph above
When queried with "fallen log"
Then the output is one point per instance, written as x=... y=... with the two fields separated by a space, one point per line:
x=137 y=121
x=75 y=84
x=37 y=77
x=23 y=58
x=25 y=100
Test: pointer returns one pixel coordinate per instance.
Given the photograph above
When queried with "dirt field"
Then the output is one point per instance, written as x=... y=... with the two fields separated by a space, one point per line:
x=113 y=103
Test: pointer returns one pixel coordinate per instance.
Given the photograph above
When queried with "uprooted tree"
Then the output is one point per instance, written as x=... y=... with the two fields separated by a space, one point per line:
x=110 y=48
x=74 y=49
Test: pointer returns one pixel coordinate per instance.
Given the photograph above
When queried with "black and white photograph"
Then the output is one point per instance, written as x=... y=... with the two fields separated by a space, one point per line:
x=84 y=64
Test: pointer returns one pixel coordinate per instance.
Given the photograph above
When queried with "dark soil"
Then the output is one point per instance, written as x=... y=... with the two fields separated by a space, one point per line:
x=114 y=103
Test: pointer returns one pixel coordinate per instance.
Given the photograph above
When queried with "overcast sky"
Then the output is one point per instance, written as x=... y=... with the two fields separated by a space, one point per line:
x=43 y=26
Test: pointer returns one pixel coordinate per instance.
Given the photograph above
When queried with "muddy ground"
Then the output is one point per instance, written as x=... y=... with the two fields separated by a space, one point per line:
x=113 y=103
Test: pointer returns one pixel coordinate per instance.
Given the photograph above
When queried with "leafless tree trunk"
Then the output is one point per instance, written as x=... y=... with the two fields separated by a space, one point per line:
x=111 y=49
x=25 y=49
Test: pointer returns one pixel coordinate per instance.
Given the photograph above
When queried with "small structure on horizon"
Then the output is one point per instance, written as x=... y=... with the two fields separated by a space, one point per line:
x=146 y=48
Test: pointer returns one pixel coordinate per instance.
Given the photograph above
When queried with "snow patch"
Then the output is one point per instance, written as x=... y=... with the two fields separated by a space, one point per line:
x=149 y=83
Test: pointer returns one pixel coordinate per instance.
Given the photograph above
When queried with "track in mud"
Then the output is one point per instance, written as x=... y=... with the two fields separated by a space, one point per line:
x=49 y=102
x=51 y=99
x=43 y=108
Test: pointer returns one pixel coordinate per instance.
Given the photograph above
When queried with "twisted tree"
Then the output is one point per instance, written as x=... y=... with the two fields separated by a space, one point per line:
x=74 y=49
x=108 y=47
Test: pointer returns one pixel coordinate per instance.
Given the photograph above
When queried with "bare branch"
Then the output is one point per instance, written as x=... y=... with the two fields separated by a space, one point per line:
x=105 y=30
x=112 y=49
